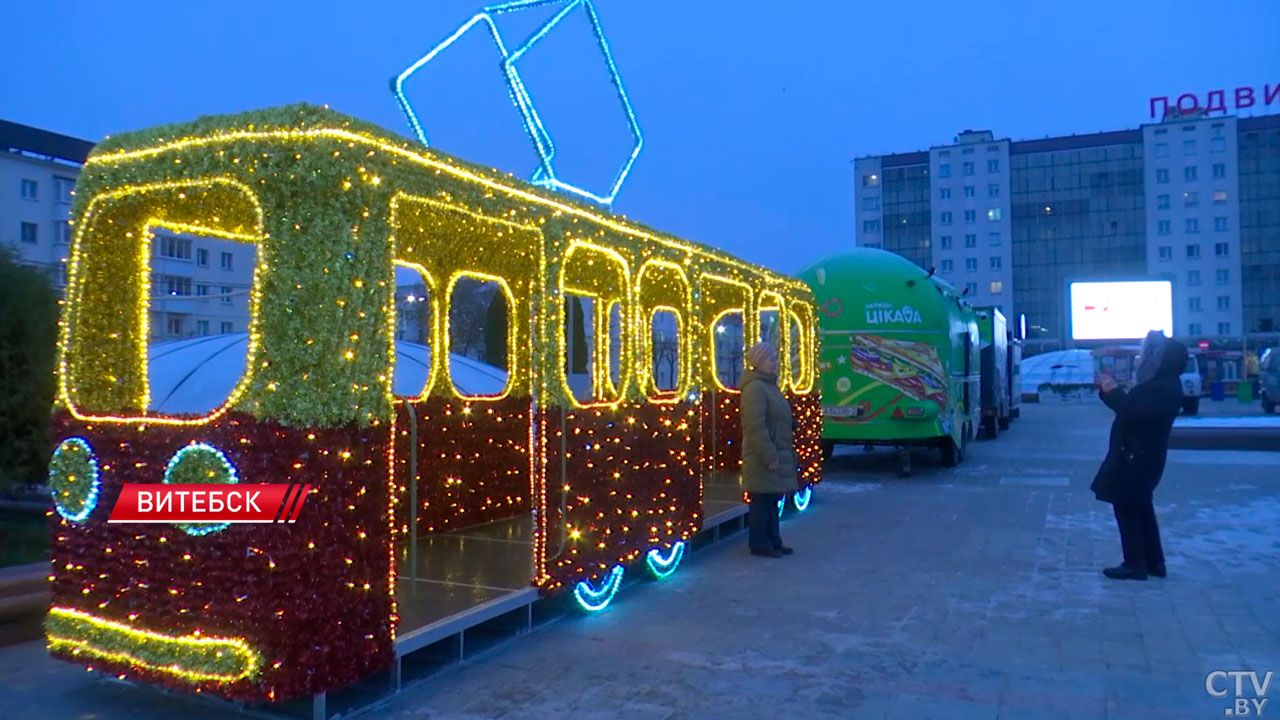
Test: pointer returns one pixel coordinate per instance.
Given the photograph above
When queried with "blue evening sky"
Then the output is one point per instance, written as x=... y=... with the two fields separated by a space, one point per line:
x=751 y=111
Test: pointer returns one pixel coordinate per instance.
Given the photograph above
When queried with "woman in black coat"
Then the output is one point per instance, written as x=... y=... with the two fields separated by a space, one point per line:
x=1135 y=459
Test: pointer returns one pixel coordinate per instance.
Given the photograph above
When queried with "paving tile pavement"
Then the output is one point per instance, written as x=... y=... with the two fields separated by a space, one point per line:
x=964 y=593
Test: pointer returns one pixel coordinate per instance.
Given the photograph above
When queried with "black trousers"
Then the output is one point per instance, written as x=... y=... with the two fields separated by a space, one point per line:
x=1139 y=535
x=762 y=522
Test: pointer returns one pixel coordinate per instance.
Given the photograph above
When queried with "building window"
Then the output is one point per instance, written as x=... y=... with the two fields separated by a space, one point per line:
x=993 y=239
x=1162 y=150
x=944 y=218
x=993 y=165
x=944 y=193
x=1164 y=227
x=30 y=189
x=1218 y=144
x=226 y=261
x=1166 y=252
x=873 y=246
x=174 y=284
x=1219 y=197
x=944 y=170
x=1220 y=224
x=202 y=290
x=997 y=287
x=1189 y=173
x=1193 y=225
x=995 y=262
x=869 y=226
x=1193 y=329
x=1193 y=277
x=970 y=216
x=175 y=326
x=175 y=247
x=1224 y=302
x=946 y=242
x=202 y=327
x=871 y=180
x=971 y=240
x=1190 y=198
x=1222 y=249
x=30 y=233
x=1219 y=170
x=995 y=214
x=64 y=188
x=967 y=151
x=971 y=288
x=1162 y=175
x=226 y=295
x=969 y=191
x=993 y=190
x=62 y=232
x=948 y=266
x=1162 y=202
x=1224 y=328
x=944 y=153
x=202 y=257
x=1193 y=304
x=225 y=327
x=1162 y=131
x=1193 y=252
x=993 y=148
x=1224 y=276
x=1188 y=147
x=968 y=168
x=971 y=264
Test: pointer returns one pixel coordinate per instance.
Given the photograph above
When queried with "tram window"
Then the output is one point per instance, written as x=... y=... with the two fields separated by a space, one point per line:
x=415 y=317
x=729 y=349
x=797 y=341
x=479 y=356
x=665 y=344
x=199 y=321
x=592 y=351
x=771 y=326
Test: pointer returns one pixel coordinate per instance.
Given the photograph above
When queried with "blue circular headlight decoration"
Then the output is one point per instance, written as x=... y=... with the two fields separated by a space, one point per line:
x=198 y=464
x=73 y=479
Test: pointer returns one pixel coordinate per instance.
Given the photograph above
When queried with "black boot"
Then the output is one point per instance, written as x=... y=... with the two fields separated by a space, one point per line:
x=767 y=553
x=1124 y=572
x=784 y=549
x=1158 y=571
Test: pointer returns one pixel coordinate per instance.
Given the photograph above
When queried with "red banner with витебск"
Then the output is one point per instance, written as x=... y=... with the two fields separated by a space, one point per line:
x=211 y=503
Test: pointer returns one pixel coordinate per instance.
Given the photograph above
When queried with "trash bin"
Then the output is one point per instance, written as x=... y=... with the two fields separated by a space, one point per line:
x=1244 y=391
x=1216 y=392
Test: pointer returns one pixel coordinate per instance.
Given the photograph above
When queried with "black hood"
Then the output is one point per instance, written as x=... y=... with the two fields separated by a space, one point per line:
x=1173 y=359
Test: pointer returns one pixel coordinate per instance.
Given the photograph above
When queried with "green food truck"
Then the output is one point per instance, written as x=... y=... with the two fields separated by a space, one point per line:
x=898 y=355
x=996 y=370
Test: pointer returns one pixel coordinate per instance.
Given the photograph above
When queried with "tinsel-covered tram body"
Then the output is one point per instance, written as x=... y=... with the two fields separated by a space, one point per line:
x=333 y=206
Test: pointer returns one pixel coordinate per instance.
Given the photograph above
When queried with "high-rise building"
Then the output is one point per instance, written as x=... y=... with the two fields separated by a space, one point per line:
x=1194 y=199
x=199 y=285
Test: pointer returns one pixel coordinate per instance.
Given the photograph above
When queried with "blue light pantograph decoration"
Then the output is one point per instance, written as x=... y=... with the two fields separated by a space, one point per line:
x=595 y=600
x=662 y=567
x=802 y=498
x=545 y=174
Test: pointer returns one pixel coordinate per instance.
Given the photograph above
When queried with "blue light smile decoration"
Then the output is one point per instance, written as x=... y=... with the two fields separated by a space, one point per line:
x=545 y=174
x=595 y=600
x=662 y=567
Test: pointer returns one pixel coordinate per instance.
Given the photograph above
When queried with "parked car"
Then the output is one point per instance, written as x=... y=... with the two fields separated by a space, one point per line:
x=1269 y=379
x=1192 y=386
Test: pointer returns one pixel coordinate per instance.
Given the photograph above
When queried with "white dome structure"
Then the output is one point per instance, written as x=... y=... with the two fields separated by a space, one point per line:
x=1061 y=367
x=195 y=375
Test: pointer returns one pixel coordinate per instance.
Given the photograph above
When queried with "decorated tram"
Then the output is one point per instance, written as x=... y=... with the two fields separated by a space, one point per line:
x=605 y=436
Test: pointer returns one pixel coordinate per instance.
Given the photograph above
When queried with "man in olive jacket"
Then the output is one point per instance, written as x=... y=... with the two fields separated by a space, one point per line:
x=1136 y=456
x=768 y=450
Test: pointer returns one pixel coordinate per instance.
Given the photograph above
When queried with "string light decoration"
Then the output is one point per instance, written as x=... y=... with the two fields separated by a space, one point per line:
x=663 y=566
x=596 y=599
x=73 y=479
x=334 y=206
x=545 y=175
x=199 y=463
